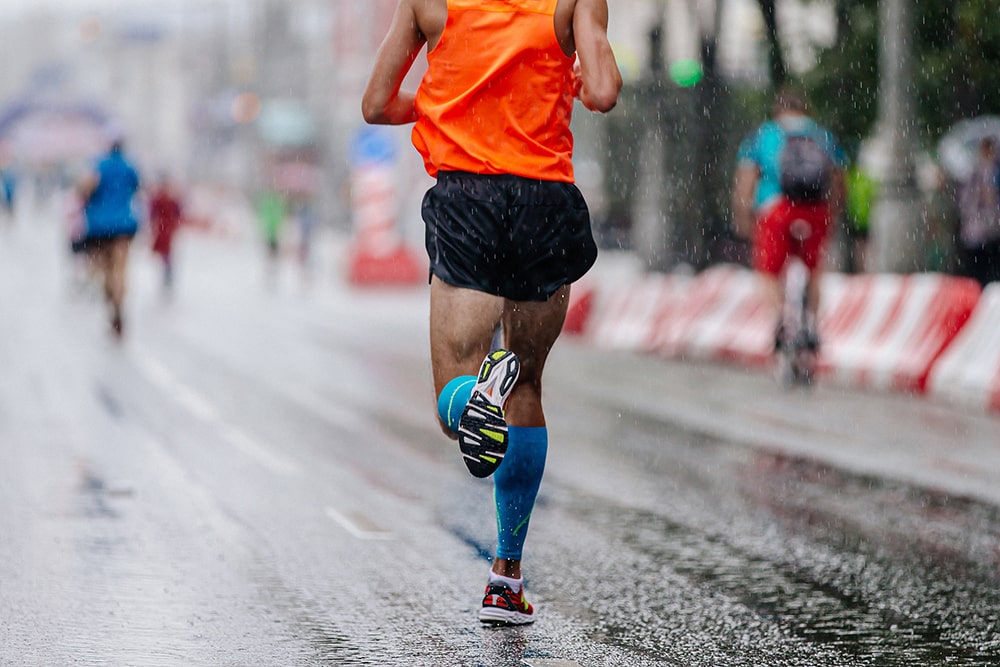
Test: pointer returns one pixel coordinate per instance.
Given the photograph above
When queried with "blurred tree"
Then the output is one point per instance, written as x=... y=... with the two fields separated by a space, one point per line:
x=844 y=84
x=957 y=68
x=775 y=57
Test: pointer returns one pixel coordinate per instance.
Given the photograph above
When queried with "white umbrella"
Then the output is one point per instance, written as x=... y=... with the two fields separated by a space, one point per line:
x=959 y=147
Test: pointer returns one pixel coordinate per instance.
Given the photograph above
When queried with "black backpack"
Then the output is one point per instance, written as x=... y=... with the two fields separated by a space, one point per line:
x=805 y=169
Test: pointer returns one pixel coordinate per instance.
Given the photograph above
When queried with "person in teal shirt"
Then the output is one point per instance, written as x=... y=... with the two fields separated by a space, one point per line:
x=762 y=150
x=779 y=221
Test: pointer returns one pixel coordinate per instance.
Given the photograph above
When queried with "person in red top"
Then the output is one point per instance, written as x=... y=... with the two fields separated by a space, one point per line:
x=164 y=220
x=507 y=231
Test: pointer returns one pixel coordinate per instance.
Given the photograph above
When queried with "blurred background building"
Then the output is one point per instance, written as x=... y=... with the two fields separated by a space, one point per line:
x=256 y=94
x=231 y=91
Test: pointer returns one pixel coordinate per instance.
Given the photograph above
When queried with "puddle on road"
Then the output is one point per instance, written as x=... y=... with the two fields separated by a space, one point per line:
x=910 y=572
x=777 y=560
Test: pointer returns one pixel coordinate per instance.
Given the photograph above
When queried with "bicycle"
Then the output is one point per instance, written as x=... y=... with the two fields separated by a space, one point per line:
x=795 y=344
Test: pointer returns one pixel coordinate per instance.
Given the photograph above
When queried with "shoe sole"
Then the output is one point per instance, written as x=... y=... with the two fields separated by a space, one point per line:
x=496 y=616
x=482 y=429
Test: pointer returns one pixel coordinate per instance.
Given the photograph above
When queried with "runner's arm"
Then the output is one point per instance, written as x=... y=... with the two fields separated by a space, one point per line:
x=600 y=79
x=383 y=102
x=86 y=185
x=744 y=187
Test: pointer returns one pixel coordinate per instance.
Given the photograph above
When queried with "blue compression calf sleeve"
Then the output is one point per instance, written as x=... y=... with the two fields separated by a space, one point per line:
x=515 y=486
x=453 y=398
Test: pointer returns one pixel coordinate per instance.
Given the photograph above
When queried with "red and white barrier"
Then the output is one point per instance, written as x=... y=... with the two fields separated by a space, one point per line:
x=718 y=314
x=725 y=318
x=701 y=295
x=968 y=373
x=886 y=331
x=627 y=316
x=581 y=303
x=879 y=331
x=378 y=255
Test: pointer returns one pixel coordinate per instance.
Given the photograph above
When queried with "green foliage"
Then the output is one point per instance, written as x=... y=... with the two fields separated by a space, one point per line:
x=844 y=85
x=956 y=67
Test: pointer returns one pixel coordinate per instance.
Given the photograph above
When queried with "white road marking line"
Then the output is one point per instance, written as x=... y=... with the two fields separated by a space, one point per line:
x=262 y=454
x=327 y=410
x=195 y=403
x=154 y=370
x=202 y=408
x=187 y=397
x=546 y=662
x=359 y=525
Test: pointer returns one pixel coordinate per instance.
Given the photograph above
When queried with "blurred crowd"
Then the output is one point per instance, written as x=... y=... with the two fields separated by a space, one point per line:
x=960 y=212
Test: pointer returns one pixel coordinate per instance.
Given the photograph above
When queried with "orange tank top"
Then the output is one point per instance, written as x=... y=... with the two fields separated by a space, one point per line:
x=497 y=94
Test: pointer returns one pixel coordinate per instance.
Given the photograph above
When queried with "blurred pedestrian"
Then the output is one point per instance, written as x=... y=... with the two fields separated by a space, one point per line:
x=8 y=185
x=305 y=219
x=788 y=187
x=979 y=212
x=862 y=189
x=8 y=179
x=272 y=209
x=165 y=212
x=507 y=230
x=107 y=193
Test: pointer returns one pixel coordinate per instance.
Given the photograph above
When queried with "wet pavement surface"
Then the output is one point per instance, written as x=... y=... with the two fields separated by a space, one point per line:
x=254 y=477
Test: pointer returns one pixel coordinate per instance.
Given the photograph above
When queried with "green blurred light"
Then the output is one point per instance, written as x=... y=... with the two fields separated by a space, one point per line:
x=686 y=72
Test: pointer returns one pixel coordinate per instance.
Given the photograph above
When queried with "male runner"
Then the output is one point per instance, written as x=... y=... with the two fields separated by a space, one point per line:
x=507 y=231
x=111 y=225
x=783 y=221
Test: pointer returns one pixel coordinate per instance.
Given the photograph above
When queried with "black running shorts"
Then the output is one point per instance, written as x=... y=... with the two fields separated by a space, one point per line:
x=514 y=237
x=94 y=243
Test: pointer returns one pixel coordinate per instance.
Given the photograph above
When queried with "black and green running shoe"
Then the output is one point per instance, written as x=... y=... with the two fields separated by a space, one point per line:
x=482 y=429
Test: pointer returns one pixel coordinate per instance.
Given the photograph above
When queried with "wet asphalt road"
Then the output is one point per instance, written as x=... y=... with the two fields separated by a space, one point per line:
x=255 y=477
